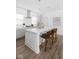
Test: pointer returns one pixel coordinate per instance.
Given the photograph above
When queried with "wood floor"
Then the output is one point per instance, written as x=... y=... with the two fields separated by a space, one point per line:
x=23 y=52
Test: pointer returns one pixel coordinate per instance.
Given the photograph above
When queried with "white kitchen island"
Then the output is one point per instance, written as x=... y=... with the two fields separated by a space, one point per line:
x=32 y=38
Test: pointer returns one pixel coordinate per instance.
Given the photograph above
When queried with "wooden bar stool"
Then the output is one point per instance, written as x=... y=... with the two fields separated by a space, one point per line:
x=46 y=37
x=50 y=36
x=54 y=35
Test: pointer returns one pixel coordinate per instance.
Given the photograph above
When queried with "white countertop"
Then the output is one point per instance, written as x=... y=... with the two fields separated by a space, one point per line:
x=41 y=30
x=19 y=27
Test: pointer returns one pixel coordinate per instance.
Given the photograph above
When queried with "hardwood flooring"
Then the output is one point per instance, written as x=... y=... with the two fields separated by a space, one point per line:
x=23 y=52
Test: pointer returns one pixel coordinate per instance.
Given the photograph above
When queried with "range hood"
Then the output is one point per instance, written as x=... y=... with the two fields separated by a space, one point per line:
x=28 y=18
x=28 y=13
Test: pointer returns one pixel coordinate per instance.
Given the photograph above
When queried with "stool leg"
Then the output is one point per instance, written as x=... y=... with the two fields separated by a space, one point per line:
x=52 y=40
x=45 y=45
x=55 y=37
x=50 y=43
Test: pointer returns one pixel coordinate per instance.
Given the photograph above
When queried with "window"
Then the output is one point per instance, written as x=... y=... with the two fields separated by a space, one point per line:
x=19 y=19
x=34 y=20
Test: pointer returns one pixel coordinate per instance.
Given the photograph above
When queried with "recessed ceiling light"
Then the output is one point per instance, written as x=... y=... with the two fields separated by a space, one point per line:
x=48 y=7
x=39 y=0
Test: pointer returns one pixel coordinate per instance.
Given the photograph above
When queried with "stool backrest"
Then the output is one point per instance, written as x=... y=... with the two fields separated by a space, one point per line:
x=45 y=35
x=49 y=33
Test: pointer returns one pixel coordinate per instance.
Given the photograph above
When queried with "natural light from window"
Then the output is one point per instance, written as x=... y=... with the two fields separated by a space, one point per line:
x=19 y=19
x=34 y=20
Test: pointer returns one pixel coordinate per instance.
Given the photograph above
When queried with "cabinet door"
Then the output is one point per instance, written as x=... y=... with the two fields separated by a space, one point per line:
x=32 y=41
x=19 y=33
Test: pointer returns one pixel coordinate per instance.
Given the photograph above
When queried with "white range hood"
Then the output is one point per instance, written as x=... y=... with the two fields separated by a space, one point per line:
x=28 y=19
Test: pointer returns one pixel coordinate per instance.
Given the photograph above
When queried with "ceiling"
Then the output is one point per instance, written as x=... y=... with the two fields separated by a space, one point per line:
x=41 y=6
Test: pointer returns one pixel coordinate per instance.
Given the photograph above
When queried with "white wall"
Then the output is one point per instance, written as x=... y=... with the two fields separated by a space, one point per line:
x=47 y=21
